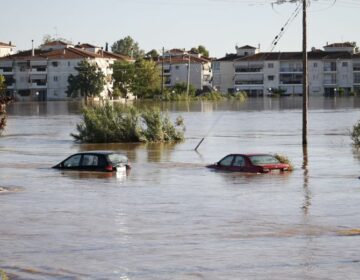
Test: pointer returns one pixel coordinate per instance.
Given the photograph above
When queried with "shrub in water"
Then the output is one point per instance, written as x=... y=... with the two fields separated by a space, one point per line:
x=120 y=123
x=355 y=135
x=284 y=159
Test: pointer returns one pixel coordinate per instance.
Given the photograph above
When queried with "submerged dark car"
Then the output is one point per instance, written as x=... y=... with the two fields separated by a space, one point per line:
x=103 y=161
x=252 y=163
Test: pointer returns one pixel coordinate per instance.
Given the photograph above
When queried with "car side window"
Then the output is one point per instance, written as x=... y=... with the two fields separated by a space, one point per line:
x=239 y=161
x=226 y=161
x=73 y=161
x=90 y=160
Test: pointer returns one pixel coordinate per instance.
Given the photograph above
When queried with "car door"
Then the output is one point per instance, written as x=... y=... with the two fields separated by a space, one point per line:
x=238 y=164
x=90 y=162
x=72 y=163
x=226 y=163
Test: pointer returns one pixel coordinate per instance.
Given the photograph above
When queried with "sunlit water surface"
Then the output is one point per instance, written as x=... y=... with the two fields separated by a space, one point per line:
x=171 y=218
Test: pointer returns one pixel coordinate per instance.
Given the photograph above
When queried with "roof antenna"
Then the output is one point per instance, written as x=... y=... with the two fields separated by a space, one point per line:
x=32 y=48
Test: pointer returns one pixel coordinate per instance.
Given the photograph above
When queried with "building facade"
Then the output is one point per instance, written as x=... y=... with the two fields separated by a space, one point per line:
x=42 y=74
x=178 y=66
x=332 y=70
x=6 y=49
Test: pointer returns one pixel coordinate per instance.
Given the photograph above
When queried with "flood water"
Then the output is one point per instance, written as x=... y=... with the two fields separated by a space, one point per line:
x=171 y=218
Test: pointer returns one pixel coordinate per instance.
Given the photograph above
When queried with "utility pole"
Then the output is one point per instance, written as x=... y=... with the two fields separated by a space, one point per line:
x=188 y=76
x=162 y=71
x=305 y=78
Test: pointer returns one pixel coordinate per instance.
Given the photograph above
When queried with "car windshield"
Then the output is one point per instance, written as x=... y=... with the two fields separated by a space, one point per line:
x=263 y=159
x=118 y=158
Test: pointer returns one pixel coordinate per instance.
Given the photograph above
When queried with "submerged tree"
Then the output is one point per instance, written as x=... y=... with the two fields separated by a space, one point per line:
x=121 y=123
x=355 y=135
x=89 y=82
x=4 y=100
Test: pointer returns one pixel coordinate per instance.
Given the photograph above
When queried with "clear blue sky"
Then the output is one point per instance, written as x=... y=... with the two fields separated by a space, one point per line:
x=217 y=24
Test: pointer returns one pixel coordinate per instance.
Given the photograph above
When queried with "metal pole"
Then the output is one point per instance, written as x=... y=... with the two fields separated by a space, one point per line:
x=188 y=76
x=305 y=78
x=162 y=72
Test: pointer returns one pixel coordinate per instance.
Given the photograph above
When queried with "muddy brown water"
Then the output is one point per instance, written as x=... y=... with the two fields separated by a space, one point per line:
x=171 y=218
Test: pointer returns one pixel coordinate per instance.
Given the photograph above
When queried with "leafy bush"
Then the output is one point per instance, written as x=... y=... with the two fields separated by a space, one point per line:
x=284 y=159
x=3 y=116
x=355 y=135
x=120 y=123
x=3 y=275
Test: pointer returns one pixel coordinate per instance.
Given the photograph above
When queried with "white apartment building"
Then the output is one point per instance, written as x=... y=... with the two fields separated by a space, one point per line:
x=6 y=49
x=174 y=65
x=223 y=68
x=43 y=74
x=335 y=68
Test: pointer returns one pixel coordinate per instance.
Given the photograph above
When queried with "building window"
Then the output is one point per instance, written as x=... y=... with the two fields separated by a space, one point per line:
x=216 y=65
x=315 y=65
x=55 y=63
x=345 y=64
x=270 y=65
x=177 y=67
x=69 y=63
x=55 y=78
x=271 y=78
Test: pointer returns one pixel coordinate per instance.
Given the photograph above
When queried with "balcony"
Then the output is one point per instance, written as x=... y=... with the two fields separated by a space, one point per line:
x=291 y=82
x=330 y=69
x=248 y=69
x=356 y=67
x=167 y=72
x=38 y=70
x=330 y=82
x=38 y=84
x=249 y=82
x=291 y=70
x=6 y=71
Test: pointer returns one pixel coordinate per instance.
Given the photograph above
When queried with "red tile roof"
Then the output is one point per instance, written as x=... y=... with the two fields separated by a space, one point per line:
x=295 y=56
x=6 y=45
x=341 y=45
x=66 y=53
x=85 y=45
x=56 y=43
x=247 y=47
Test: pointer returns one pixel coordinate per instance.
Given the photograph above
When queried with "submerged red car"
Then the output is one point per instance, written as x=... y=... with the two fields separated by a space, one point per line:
x=252 y=163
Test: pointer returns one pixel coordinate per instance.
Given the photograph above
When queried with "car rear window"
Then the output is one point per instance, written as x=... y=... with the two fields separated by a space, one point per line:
x=118 y=158
x=263 y=159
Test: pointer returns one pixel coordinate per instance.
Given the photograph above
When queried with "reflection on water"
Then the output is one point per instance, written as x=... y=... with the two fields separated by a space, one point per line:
x=307 y=192
x=172 y=218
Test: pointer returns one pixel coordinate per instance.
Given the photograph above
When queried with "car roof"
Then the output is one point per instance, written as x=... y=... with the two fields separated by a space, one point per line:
x=100 y=152
x=249 y=155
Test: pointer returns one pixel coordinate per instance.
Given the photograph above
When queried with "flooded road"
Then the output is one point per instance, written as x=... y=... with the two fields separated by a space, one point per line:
x=171 y=218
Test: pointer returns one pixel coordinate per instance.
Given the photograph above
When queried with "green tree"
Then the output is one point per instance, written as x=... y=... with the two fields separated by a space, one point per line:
x=4 y=100
x=89 y=82
x=127 y=46
x=142 y=78
x=2 y=85
x=201 y=50
x=152 y=54
x=48 y=39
